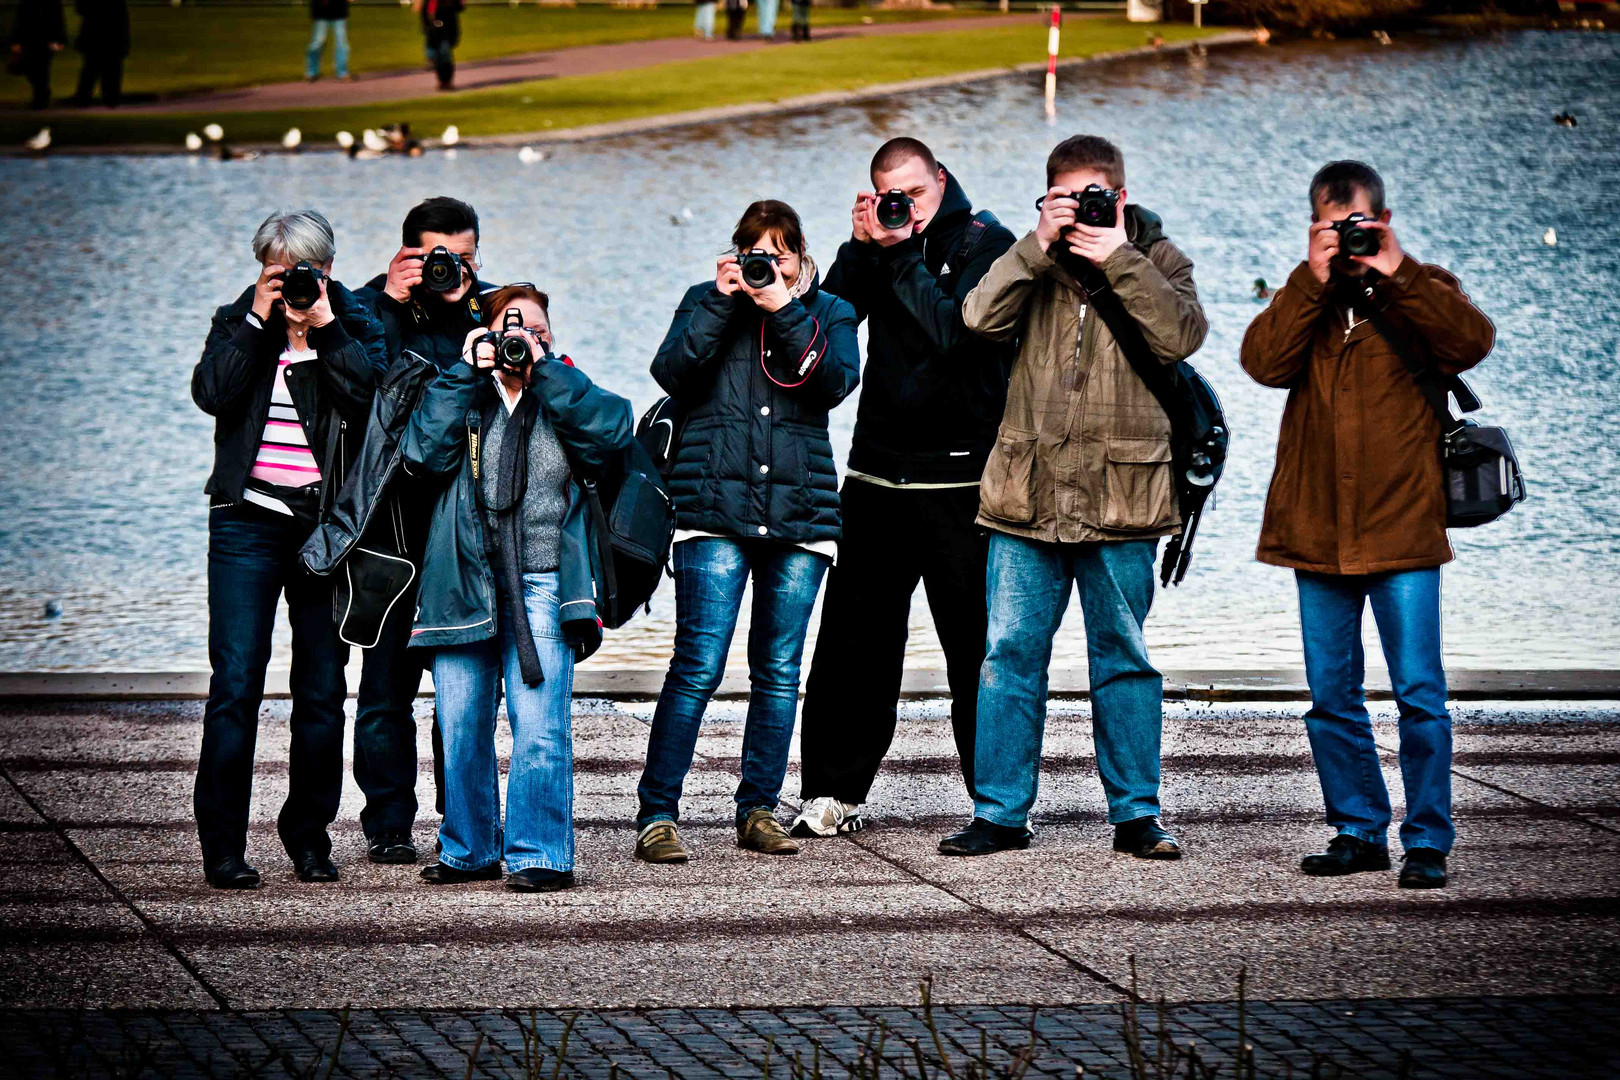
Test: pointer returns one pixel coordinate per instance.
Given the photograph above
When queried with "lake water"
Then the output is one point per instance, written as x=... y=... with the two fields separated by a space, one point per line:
x=110 y=267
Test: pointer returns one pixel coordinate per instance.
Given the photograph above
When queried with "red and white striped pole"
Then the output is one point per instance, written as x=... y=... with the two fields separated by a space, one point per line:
x=1051 y=60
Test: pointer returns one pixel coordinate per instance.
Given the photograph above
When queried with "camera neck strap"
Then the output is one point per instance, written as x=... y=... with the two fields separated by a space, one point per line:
x=1436 y=387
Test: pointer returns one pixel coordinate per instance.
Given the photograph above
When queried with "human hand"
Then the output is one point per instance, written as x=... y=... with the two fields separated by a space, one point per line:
x=1389 y=256
x=317 y=314
x=860 y=216
x=480 y=354
x=773 y=297
x=1322 y=249
x=404 y=273
x=727 y=275
x=267 y=290
x=1096 y=243
x=1057 y=215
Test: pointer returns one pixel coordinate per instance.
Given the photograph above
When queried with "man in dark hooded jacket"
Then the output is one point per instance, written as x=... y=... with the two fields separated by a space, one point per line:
x=929 y=409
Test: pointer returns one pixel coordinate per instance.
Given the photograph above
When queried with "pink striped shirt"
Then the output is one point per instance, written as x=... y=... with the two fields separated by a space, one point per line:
x=284 y=458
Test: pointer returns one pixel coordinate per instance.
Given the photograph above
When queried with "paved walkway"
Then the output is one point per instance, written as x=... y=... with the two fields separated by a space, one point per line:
x=583 y=60
x=103 y=907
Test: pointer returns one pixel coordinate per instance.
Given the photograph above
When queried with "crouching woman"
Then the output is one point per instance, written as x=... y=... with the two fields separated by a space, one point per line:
x=508 y=587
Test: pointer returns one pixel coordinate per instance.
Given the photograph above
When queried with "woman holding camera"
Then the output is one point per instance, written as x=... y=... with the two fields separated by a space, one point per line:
x=509 y=585
x=287 y=369
x=755 y=359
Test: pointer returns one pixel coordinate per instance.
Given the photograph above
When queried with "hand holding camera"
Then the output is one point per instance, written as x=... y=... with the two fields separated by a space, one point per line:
x=727 y=275
x=760 y=278
x=440 y=270
x=1089 y=223
x=890 y=217
x=267 y=290
x=404 y=273
x=1356 y=239
x=303 y=297
x=511 y=349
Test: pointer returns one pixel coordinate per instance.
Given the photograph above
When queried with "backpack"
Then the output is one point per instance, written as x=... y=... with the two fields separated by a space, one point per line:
x=635 y=524
x=659 y=433
x=1199 y=435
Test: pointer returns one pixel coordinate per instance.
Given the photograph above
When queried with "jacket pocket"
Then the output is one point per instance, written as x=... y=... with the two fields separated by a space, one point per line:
x=1007 y=490
x=1137 y=489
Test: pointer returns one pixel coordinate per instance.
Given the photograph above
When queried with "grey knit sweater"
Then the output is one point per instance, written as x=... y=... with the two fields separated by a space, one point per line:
x=544 y=500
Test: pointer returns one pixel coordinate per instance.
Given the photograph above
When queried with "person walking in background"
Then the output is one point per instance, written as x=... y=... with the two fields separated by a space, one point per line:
x=1357 y=509
x=801 y=20
x=328 y=16
x=767 y=18
x=103 y=41
x=441 y=33
x=755 y=359
x=37 y=35
x=735 y=10
x=703 y=21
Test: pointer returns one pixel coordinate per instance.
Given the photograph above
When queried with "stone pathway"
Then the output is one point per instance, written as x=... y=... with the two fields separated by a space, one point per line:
x=583 y=60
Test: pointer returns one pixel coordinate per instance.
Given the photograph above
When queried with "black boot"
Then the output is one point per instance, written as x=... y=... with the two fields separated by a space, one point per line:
x=1346 y=855
x=1146 y=839
x=983 y=837
x=444 y=874
x=232 y=872
x=391 y=847
x=1423 y=868
x=539 y=879
x=312 y=866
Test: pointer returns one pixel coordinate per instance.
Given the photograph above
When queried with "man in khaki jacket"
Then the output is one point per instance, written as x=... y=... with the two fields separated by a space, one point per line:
x=1077 y=491
x=1357 y=509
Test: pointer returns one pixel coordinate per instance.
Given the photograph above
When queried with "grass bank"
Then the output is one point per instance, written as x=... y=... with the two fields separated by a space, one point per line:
x=558 y=104
x=183 y=50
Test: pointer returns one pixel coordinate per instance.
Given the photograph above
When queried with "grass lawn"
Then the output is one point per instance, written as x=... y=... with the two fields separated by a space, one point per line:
x=189 y=49
x=557 y=104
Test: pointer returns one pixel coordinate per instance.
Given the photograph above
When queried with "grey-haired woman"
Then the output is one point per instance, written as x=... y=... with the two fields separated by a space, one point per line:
x=287 y=373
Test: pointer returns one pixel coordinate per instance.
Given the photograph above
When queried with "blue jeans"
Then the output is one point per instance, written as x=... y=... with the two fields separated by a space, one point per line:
x=767 y=17
x=252 y=561
x=1406 y=606
x=540 y=783
x=710 y=574
x=703 y=21
x=1028 y=583
x=317 y=45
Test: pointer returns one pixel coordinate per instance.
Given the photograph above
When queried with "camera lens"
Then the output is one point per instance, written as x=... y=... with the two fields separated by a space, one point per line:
x=1360 y=241
x=301 y=286
x=512 y=352
x=1097 y=207
x=893 y=210
x=758 y=269
x=441 y=270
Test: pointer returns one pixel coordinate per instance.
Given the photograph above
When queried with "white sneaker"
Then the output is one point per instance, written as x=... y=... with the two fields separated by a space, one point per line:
x=827 y=816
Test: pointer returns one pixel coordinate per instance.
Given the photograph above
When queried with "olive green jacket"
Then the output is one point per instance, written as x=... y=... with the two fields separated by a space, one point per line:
x=1083 y=452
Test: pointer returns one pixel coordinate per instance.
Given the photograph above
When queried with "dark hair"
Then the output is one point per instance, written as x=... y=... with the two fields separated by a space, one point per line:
x=1086 y=152
x=440 y=214
x=496 y=303
x=769 y=216
x=895 y=152
x=1337 y=183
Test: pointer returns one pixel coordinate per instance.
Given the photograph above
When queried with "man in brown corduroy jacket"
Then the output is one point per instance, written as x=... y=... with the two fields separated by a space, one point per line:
x=1357 y=509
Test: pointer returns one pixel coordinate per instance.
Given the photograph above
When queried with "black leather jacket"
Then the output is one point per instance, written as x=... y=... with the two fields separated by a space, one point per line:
x=233 y=381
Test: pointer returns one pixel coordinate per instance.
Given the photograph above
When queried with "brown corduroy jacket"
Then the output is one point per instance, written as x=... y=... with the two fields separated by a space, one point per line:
x=1357 y=487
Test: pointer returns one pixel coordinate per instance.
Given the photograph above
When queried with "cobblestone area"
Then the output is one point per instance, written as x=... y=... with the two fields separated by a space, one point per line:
x=1464 y=1037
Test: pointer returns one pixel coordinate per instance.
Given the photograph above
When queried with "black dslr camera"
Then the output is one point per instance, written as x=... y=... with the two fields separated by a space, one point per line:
x=511 y=342
x=1355 y=238
x=301 y=286
x=758 y=268
x=441 y=269
x=893 y=210
x=1095 y=206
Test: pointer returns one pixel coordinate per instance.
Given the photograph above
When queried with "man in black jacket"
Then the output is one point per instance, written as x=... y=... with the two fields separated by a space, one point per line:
x=930 y=405
x=432 y=325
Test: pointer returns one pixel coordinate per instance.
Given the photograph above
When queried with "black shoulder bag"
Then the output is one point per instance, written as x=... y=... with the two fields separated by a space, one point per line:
x=1199 y=435
x=1479 y=468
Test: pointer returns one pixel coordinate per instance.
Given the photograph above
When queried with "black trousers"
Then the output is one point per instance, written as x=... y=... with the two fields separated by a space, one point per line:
x=892 y=539
x=109 y=72
x=385 y=725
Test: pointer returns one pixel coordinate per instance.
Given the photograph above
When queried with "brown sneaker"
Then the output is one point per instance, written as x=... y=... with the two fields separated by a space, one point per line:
x=659 y=843
x=761 y=832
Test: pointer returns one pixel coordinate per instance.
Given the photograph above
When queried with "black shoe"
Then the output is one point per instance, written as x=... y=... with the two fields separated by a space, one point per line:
x=1146 y=839
x=444 y=874
x=1423 y=868
x=312 y=866
x=539 y=879
x=1346 y=855
x=983 y=837
x=392 y=847
x=232 y=872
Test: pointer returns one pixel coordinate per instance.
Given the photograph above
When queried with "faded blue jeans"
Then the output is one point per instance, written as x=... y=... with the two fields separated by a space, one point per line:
x=710 y=574
x=1406 y=607
x=317 y=45
x=703 y=21
x=767 y=17
x=1028 y=583
x=467 y=680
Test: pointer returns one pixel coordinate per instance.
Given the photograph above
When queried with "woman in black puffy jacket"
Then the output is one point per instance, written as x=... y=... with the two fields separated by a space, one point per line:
x=755 y=370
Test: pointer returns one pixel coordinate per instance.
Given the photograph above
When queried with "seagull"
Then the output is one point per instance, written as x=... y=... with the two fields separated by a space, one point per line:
x=214 y=132
x=193 y=141
x=1550 y=237
x=42 y=141
x=1381 y=37
x=451 y=136
x=291 y=140
x=1565 y=119
x=686 y=212
x=529 y=155
x=345 y=140
x=373 y=141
